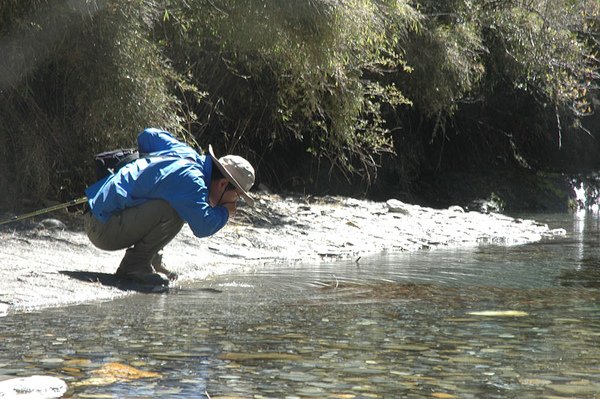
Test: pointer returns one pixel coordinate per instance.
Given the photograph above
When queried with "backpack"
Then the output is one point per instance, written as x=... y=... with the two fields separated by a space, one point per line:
x=107 y=163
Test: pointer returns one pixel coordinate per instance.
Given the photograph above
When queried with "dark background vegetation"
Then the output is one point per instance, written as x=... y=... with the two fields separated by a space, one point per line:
x=380 y=98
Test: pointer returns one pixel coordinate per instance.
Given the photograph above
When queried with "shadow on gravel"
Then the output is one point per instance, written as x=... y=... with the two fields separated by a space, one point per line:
x=110 y=280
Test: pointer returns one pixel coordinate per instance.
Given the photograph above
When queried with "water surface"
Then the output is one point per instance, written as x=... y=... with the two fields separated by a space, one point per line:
x=390 y=326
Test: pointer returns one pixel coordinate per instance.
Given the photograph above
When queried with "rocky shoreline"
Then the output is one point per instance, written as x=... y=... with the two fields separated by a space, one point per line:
x=49 y=263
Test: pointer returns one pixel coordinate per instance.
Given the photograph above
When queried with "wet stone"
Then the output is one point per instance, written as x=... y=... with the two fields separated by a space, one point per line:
x=51 y=224
x=38 y=387
x=576 y=389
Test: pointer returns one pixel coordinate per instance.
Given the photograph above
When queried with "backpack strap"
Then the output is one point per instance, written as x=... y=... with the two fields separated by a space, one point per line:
x=127 y=159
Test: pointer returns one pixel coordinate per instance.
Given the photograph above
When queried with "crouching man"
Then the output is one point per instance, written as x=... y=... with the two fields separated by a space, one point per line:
x=143 y=205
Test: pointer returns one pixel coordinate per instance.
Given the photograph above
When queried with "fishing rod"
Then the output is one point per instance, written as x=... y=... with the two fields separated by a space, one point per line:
x=76 y=201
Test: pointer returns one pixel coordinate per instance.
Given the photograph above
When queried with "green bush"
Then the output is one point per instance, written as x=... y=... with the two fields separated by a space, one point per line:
x=78 y=78
x=302 y=88
x=498 y=83
x=291 y=75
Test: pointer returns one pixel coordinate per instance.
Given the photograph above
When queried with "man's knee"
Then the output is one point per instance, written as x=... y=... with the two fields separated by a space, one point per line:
x=167 y=215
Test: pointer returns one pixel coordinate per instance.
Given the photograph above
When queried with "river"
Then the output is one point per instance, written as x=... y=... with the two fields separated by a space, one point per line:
x=486 y=322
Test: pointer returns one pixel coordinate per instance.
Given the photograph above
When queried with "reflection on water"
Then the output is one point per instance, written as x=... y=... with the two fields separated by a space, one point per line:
x=398 y=325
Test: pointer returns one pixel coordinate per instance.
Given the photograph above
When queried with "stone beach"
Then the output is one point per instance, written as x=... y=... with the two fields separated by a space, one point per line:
x=49 y=263
x=232 y=327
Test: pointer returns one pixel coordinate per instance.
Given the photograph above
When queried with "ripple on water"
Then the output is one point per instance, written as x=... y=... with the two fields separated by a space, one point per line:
x=486 y=323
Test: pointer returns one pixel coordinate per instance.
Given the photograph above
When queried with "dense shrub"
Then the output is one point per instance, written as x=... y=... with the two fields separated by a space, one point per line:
x=500 y=83
x=303 y=88
x=76 y=77
x=290 y=76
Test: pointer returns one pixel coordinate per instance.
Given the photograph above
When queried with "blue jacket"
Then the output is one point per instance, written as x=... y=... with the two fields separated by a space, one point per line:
x=182 y=179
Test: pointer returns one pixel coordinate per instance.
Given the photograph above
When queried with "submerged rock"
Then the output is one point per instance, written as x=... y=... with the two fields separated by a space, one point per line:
x=499 y=313
x=240 y=357
x=577 y=388
x=111 y=373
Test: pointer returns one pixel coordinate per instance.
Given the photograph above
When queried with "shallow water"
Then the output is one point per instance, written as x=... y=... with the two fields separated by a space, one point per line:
x=396 y=325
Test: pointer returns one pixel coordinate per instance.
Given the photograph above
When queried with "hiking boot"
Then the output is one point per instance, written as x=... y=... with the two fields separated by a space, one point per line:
x=159 y=266
x=162 y=269
x=145 y=278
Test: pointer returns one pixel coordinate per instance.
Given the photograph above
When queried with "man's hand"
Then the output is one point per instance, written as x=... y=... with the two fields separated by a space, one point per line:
x=231 y=208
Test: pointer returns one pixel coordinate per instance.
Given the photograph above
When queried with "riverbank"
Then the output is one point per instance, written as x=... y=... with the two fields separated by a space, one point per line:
x=48 y=263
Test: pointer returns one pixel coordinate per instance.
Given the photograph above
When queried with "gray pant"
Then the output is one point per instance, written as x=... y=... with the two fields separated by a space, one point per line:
x=144 y=230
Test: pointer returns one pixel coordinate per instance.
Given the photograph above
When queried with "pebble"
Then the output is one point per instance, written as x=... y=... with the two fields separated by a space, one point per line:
x=397 y=206
x=51 y=224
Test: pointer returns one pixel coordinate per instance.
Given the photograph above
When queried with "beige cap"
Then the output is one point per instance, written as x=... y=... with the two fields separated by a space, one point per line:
x=237 y=171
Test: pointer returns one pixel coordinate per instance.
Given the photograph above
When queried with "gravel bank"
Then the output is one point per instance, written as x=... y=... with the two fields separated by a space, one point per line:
x=47 y=264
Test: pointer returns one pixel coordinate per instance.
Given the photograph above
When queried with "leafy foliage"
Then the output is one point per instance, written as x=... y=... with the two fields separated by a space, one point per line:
x=77 y=77
x=358 y=86
x=500 y=82
x=291 y=72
